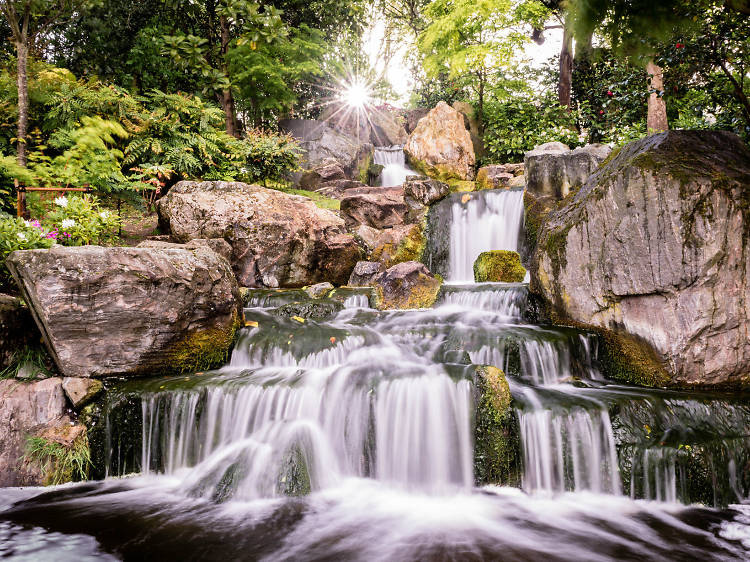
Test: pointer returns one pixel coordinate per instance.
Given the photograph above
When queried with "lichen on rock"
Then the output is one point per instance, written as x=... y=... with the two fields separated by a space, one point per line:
x=407 y=285
x=499 y=266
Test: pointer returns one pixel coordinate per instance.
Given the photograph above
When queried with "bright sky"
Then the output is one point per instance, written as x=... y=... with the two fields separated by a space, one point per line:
x=400 y=77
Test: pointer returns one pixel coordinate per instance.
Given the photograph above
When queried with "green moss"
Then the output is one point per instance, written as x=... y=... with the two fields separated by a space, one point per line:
x=462 y=186
x=497 y=454
x=627 y=358
x=534 y=214
x=58 y=463
x=423 y=294
x=411 y=248
x=499 y=266
x=200 y=350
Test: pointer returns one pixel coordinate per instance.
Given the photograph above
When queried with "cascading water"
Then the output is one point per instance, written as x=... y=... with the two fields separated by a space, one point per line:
x=488 y=220
x=353 y=438
x=393 y=160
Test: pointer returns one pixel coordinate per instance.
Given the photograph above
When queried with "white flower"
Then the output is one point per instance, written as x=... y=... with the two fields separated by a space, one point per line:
x=68 y=223
x=61 y=201
x=22 y=236
x=27 y=223
x=104 y=215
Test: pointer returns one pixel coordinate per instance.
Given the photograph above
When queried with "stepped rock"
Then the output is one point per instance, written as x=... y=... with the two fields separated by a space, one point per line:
x=278 y=240
x=657 y=244
x=440 y=146
x=106 y=312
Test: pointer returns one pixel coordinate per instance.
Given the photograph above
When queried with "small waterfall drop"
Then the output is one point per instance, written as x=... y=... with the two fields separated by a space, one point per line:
x=393 y=160
x=488 y=220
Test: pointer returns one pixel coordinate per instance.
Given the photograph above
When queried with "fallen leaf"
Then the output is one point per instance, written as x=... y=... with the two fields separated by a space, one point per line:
x=298 y=319
x=465 y=199
x=251 y=324
x=333 y=340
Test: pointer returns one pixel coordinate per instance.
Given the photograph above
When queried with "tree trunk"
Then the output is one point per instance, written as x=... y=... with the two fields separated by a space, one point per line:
x=23 y=100
x=566 y=68
x=657 y=107
x=226 y=99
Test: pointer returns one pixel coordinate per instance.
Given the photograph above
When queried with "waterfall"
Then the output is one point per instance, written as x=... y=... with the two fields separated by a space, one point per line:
x=394 y=165
x=488 y=220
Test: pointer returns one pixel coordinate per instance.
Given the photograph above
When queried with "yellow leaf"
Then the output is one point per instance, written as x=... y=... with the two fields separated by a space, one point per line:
x=298 y=319
x=465 y=199
x=251 y=324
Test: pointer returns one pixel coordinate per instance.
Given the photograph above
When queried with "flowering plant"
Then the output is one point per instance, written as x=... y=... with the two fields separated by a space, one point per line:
x=79 y=220
x=18 y=234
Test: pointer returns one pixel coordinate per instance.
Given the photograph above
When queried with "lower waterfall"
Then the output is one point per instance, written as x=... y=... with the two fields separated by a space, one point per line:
x=395 y=169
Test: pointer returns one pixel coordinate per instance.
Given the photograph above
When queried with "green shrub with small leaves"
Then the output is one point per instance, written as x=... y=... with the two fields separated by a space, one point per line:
x=79 y=221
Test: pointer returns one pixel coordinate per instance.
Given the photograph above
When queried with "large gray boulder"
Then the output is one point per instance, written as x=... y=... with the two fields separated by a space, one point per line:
x=387 y=129
x=441 y=147
x=656 y=245
x=27 y=409
x=107 y=312
x=421 y=191
x=377 y=207
x=320 y=142
x=278 y=240
x=407 y=285
x=552 y=169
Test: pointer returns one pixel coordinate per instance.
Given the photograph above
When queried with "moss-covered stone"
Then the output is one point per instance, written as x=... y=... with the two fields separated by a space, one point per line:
x=627 y=358
x=497 y=451
x=407 y=285
x=318 y=309
x=200 y=350
x=410 y=248
x=499 y=266
x=462 y=186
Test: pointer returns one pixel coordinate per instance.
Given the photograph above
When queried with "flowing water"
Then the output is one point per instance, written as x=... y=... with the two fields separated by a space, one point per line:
x=352 y=438
x=395 y=169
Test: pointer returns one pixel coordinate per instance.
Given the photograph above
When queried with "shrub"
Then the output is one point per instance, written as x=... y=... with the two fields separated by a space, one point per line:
x=17 y=234
x=269 y=156
x=79 y=221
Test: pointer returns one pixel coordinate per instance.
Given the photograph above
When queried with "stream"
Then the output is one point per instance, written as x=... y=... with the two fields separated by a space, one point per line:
x=352 y=438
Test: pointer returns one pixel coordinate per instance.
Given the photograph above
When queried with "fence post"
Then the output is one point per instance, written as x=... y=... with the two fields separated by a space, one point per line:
x=21 y=210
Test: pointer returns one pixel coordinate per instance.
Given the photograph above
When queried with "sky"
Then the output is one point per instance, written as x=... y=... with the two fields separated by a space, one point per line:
x=400 y=77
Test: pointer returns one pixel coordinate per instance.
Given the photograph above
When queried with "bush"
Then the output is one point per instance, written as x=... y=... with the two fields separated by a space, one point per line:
x=18 y=234
x=515 y=126
x=79 y=221
x=269 y=156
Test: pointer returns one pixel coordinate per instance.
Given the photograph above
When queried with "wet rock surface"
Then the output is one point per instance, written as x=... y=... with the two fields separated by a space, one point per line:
x=421 y=191
x=406 y=285
x=655 y=245
x=376 y=207
x=365 y=273
x=17 y=328
x=107 y=312
x=277 y=240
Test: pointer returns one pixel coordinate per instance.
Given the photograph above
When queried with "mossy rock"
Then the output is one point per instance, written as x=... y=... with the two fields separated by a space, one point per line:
x=319 y=309
x=497 y=451
x=407 y=285
x=201 y=350
x=630 y=359
x=410 y=248
x=462 y=186
x=499 y=266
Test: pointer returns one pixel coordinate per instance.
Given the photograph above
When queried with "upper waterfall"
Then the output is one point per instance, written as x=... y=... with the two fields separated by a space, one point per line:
x=393 y=160
x=489 y=220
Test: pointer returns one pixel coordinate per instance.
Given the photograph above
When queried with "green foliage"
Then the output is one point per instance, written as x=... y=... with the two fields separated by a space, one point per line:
x=59 y=464
x=17 y=234
x=269 y=156
x=515 y=126
x=80 y=221
x=33 y=356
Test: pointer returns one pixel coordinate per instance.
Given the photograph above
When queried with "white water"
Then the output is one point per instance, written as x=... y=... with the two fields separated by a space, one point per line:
x=394 y=165
x=489 y=220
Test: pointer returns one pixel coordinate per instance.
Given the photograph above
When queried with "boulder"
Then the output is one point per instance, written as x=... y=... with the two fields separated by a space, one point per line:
x=17 y=329
x=499 y=266
x=517 y=182
x=472 y=125
x=327 y=171
x=387 y=129
x=412 y=117
x=365 y=273
x=441 y=147
x=320 y=142
x=655 y=246
x=495 y=176
x=218 y=245
x=277 y=240
x=319 y=290
x=336 y=189
x=400 y=244
x=347 y=120
x=421 y=191
x=378 y=207
x=107 y=312
x=28 y=409
x=81 y=391
x=552 y=169
x=406 y=285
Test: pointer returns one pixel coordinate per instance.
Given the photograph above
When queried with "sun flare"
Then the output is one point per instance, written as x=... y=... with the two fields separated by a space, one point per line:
x=356 y=95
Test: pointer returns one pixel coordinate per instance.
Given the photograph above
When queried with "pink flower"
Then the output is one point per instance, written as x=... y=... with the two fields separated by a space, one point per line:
x=609 y=93
x=680 y=46
x=601 y=112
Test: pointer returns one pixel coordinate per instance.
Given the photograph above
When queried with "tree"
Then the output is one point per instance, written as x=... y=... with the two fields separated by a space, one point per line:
x=29 y=20
x=474 y=40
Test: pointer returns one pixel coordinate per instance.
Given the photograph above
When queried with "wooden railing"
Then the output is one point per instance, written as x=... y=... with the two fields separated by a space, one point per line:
x=21 y=190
